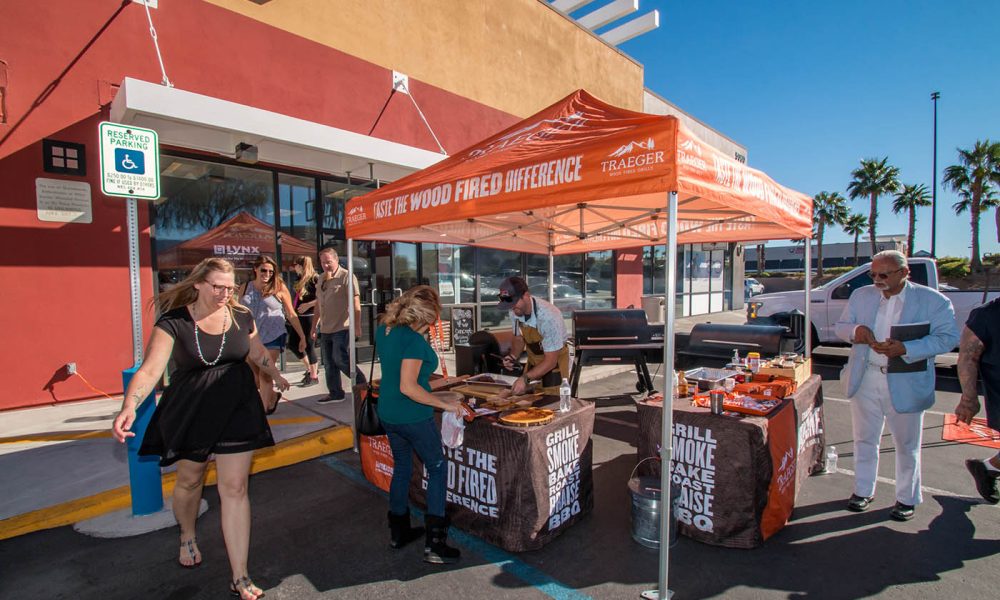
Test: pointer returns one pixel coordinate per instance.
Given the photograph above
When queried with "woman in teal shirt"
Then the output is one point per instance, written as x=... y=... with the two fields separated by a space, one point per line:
x=406 y=409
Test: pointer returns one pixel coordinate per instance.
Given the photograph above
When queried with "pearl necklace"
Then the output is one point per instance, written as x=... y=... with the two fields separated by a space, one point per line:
x=197 y=345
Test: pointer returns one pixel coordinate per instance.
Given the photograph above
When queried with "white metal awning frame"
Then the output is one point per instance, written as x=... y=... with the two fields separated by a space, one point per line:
x=198 y=122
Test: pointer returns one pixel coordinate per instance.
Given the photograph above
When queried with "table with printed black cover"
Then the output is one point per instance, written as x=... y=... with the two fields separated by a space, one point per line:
x=516 y=487
x=738 y=475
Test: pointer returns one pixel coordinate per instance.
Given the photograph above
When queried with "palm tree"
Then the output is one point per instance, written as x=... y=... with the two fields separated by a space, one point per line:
x=910 y=198
x=975 y=179
x=855 y=225
x=872 y=179
x=828 y=209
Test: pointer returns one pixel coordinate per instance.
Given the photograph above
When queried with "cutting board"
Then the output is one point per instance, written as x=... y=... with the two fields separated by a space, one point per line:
x=480 y=390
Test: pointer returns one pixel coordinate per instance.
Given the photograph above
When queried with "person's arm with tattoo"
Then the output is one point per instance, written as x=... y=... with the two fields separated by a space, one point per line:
x=259 y=356
x=142 y=383
x=970 y=351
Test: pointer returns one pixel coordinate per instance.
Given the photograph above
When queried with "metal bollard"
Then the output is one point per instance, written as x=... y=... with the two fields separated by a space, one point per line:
x=143 y=471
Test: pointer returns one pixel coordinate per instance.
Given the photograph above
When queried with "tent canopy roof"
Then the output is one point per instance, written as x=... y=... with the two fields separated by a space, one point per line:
x=582 y=176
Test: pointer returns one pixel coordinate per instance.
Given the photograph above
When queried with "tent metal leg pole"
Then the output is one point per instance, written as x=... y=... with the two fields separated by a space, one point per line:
x=352 y=326
x=667 y=424
x=807 y=334
x=552 y=266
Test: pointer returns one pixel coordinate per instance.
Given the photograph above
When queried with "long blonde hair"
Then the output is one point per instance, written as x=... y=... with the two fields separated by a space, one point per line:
x=184 y=293
x=276 y=284
x=308 y=272
x=418 y=306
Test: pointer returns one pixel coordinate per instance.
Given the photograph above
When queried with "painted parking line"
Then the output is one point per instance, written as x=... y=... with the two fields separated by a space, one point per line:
x=846 y=401
x=503 y=559
x=617 y=421
x=928 y=489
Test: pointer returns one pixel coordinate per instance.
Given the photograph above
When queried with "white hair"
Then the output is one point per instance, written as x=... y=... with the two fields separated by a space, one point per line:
x=892 y=255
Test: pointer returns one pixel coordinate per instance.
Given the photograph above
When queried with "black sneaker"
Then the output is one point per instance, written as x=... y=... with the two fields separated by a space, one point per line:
x=858 y=503
x=330 y=400
x=308 y=380
x=901 y=512
x=986 y=480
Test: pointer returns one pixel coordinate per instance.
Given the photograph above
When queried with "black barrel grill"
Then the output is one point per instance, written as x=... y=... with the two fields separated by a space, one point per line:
x=711 y=345
x=605 y=337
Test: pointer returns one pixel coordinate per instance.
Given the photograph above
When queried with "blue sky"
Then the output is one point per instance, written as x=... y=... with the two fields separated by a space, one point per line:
x=811 y=88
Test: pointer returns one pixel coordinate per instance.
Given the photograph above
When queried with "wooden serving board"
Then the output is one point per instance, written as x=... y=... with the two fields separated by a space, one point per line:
x=523 y=401
x=480 y=390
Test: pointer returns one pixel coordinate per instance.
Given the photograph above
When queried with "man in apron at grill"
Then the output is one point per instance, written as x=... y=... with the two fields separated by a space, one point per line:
x=538 y=328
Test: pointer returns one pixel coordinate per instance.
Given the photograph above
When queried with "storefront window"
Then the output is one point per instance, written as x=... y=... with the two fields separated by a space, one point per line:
x=442 y=270
x=494 y=267
x=297 y=221
x=211 y=210
x=599 y=280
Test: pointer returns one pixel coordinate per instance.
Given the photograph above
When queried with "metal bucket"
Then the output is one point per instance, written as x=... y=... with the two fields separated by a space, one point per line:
x=646 y=505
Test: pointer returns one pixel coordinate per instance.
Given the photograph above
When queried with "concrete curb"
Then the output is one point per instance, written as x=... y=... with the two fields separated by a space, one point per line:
x=288 y=452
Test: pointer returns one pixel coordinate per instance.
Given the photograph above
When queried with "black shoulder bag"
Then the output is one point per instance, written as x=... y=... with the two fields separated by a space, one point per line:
x=367 y=420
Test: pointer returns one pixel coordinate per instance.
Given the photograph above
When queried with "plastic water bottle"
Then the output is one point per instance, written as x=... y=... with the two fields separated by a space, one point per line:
x=565 y=394
x=831 y=460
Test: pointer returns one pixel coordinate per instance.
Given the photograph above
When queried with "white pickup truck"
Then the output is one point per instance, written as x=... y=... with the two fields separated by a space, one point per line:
x=827 y=301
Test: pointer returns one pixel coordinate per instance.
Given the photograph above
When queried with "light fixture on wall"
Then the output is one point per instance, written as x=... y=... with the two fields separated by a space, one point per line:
x=245 y=153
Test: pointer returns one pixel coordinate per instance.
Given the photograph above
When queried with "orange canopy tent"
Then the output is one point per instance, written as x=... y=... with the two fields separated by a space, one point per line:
x=578 y=176
x=583 y=176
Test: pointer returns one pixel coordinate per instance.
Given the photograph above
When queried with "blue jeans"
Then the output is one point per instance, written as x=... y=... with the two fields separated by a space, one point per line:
x=424 y=439
x=335 y=347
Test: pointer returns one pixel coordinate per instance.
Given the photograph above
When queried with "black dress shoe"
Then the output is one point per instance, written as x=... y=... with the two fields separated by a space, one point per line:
x=901 y=512
x=858 y=503
x=986 y=480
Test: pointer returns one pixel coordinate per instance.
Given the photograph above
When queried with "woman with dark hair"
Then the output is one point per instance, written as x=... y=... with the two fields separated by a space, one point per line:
x=305 y=305
x=270 y=304
x=211 y=406
x=406 y=409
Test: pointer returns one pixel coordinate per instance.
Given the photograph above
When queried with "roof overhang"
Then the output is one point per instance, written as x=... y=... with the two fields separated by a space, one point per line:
x=188 y=120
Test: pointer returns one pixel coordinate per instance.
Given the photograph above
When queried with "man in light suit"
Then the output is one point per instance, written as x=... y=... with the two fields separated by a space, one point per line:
x=877 y=394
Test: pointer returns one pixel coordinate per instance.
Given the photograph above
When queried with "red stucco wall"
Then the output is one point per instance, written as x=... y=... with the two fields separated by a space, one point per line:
x=628 y=281
x=67 y=284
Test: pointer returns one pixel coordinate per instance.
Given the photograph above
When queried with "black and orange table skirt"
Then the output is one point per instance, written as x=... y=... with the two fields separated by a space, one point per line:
x=738 y=475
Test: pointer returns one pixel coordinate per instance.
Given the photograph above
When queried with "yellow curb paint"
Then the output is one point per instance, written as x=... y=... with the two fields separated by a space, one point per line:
x=288 y=452
x=70 y=436
x=65 y=436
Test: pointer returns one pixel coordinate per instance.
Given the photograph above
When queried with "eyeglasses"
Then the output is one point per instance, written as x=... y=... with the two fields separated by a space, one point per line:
x=885 y=275
x=265 y=270
x=506 y=298
x=227 y=289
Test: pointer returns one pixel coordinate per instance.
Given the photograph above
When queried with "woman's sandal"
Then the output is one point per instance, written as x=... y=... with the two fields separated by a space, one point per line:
x=191 y=546
x=277 y=399
x=244 y=589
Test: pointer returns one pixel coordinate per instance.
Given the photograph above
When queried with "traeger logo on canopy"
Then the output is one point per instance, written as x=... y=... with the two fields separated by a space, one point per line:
x=689 y=153
x=355 y=214
x=633 y=157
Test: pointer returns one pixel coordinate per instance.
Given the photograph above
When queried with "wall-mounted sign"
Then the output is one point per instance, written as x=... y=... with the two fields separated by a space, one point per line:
x=63 y=201
x=130 y=161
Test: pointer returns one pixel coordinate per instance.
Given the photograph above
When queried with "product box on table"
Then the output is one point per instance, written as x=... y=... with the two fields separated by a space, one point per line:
x=798 y=373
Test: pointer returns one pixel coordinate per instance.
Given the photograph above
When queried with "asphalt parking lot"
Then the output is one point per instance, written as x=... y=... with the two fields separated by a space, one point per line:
x=319 y=532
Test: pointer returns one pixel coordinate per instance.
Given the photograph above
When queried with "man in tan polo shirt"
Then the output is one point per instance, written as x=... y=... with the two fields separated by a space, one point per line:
x=332 y=323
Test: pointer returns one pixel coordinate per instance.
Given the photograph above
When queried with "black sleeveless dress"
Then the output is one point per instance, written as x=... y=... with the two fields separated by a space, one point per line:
x=207 y=409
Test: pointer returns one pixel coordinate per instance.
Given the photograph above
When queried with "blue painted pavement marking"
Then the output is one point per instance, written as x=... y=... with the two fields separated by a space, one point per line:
x=505 y=560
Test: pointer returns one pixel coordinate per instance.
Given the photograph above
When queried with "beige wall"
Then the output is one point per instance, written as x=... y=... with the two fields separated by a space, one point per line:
x=517 y=56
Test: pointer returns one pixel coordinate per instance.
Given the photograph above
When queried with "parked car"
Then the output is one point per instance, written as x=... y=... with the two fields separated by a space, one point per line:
x=565 y=297
x=827 y=301
x=752 y=287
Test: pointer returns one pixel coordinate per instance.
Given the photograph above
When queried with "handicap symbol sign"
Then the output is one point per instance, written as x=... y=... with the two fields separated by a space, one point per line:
x=129 y=161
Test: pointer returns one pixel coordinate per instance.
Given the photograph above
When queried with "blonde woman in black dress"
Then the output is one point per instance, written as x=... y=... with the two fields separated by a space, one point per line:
x=212 y=406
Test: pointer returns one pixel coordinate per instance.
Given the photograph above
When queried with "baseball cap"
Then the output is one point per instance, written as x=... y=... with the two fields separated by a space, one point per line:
x=511 y=290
